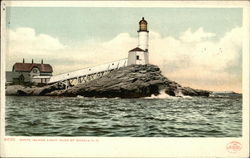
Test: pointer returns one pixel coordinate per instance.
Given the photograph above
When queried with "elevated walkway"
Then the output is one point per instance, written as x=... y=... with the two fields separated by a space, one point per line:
x=87 y=74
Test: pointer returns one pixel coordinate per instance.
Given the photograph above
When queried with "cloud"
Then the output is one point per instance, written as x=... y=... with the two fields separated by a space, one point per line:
x=196 y=36
x=28 y=40
x=193 y=59
x=202 y=63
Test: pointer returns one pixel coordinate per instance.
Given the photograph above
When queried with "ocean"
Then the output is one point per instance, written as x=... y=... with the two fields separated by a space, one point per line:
x=162 y=116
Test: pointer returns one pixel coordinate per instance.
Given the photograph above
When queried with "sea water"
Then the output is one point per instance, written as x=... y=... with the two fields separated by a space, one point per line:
x=115 y=117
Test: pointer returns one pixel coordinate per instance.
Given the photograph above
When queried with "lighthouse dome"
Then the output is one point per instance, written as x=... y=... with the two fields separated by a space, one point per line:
x=143 y=25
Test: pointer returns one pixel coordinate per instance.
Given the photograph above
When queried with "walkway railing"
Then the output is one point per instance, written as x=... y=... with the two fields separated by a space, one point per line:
x=100 y=69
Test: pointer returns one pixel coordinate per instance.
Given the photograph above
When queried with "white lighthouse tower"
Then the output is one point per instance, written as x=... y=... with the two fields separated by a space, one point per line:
x=139 y=55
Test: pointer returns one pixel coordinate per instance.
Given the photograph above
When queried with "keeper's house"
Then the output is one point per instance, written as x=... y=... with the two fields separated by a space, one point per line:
x=29 y=73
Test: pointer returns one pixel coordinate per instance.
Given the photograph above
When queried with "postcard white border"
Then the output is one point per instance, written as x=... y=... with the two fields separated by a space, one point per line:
x=126 y=146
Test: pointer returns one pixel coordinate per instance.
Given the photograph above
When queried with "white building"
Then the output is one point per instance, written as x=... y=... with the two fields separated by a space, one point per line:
x=139 y=55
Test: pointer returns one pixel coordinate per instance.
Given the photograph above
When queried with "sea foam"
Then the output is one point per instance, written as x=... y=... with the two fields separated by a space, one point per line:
x=164 y=95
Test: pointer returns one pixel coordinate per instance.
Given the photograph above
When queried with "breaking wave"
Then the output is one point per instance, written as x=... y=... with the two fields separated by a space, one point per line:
x=79 y=96
x=180 y=94
x=164 y=95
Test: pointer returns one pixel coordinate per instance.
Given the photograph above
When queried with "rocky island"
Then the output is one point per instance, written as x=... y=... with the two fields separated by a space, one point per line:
x=134 y=81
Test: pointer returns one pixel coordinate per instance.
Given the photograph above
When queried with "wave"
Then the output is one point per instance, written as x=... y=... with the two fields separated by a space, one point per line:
x=180 y=94
x=164 y=95
x=79 y=96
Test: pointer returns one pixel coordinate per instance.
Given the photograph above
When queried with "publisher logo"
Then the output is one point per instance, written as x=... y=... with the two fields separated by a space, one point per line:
x=233 y=147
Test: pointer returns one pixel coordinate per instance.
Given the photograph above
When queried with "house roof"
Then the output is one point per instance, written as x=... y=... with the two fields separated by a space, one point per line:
x=136 y=49
x=27 y=67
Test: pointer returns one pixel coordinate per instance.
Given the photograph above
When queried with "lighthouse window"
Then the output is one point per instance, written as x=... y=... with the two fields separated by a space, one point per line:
x=137 y=57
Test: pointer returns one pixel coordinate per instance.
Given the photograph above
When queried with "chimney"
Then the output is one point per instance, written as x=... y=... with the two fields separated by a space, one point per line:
x=32 y=61
x=42 y=61
x=23 y=60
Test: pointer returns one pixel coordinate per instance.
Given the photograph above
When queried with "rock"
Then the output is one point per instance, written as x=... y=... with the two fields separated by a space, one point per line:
x=133 y=81
x=17 y=90
x=21 y=90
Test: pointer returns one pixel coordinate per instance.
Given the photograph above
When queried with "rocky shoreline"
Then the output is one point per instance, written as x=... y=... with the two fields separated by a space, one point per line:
x=134 y=81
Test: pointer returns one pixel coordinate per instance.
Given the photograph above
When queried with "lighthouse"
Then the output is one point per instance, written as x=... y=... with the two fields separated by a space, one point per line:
x=139 y=55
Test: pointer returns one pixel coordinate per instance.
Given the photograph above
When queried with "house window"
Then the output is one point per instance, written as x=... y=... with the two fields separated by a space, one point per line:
x=137 y=57
x=35 y=70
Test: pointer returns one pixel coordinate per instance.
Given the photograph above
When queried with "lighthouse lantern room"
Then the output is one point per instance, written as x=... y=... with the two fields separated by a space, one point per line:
x=139 y=55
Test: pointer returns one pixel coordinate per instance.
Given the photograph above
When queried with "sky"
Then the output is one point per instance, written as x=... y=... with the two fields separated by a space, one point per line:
x=196 y=47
